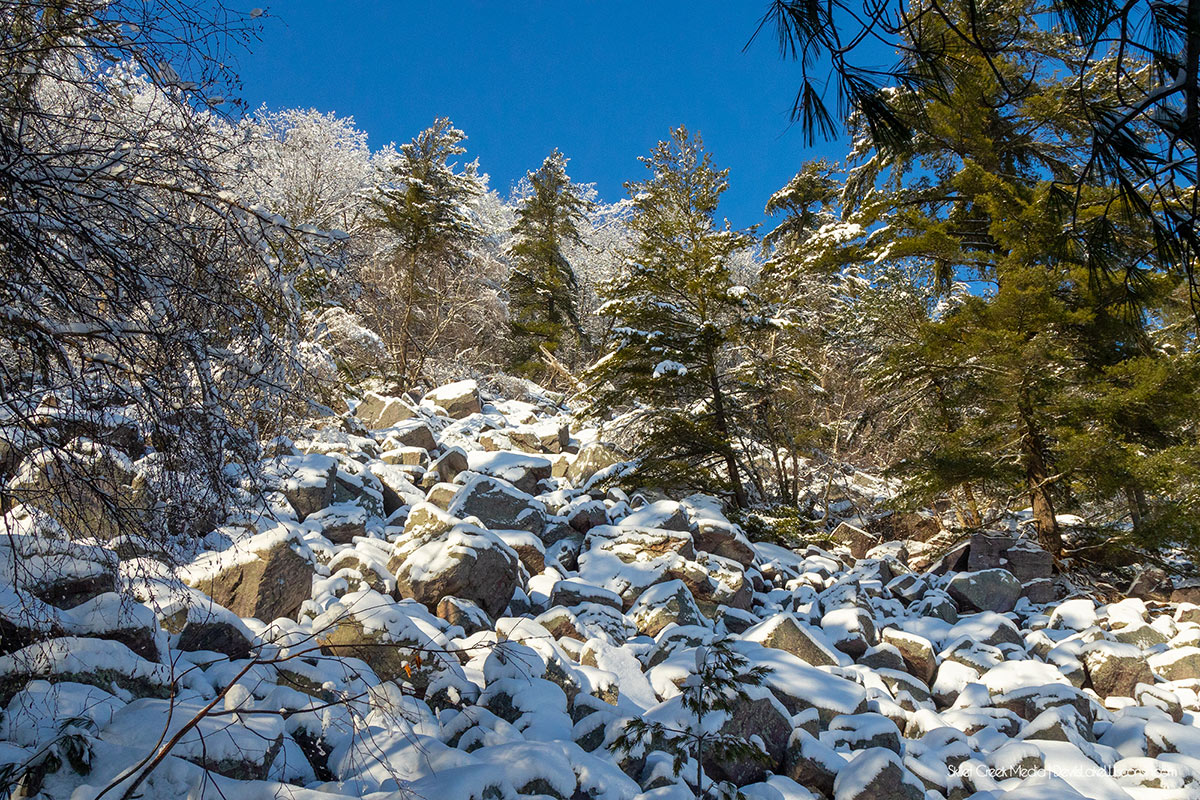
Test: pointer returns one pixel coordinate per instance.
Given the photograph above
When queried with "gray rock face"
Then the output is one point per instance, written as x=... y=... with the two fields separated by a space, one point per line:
x=449 y=464
x=266 y=579
x=811 y=763
x=1116 y=669
x=988 y=590
x=920 y=661
x=760 y=715
x=465 y=561
x=724 y=541
x=663 y=604
x=307 y=482
x=784 y=632
x=379 y=411
x=415 y=434
x=499 y=505
x=858 y=540
x=877 y=774
x=591 y=459
x=460 y=399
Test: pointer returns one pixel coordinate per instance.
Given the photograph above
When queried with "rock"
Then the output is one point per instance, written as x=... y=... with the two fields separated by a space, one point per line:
x=449 y=464
x=266 y=577
x=570 y=593
x=936 y=603
x=306 y=481
x=989 y=590
x=757 y=715
x=529 y=549
x=465 y=561
x=442 y=495
x=663 y=604
x=215 y=636
x=465 y=614
x=850 y=629
x=1157 y=697
x=1028 y=562
x=460 y=399
x=414 y=434
x=1186 y=591
x=1040 y=591
x=663 y=514
x=785 y=632
x=91 y=490
x=1171 y=737
x=587 y=515
x=243 y=751
x=858 y=540
x=522 y=470
x=379 y=411
x=592 y=458
x=723 y=540
x=340 y=523
x=862 y=732
x=917 y=652
x=811 y=763
x=498 y=504
x=1177 y=664
x=988 y=549
x=877 y=774
x=1078 y=614
x=1115 y=669
x=59 y=572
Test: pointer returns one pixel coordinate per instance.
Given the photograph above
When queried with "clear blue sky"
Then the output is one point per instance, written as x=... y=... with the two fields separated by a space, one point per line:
x=602 y=81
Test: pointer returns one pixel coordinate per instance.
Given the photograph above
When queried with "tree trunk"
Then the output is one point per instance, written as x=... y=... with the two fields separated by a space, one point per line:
x=735 y=478
x=410 y=299
x=1037 y=478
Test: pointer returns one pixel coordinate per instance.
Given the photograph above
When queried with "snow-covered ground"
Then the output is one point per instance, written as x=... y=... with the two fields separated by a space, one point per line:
x=448 y=607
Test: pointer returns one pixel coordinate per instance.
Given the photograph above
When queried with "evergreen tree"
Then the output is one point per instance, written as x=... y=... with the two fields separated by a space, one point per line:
x=542 y=289
x=426 y=207
x=678 y=319
x=721 y=679
x=1061 y=296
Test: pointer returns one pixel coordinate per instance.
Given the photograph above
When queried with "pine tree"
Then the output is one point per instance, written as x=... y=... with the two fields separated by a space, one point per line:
x=678 y=319
x=719 y=682
x=426 y=206
x=543 y=289
x=1062 y=293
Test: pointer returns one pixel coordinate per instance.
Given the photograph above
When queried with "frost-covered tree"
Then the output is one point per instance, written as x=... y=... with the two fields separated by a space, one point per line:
x=314 y=170
x=543 y=290
x=147 y=329
x=678 y=318
x=426 y=206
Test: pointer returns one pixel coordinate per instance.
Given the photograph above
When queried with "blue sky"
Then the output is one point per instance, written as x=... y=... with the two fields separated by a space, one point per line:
x=602 y=81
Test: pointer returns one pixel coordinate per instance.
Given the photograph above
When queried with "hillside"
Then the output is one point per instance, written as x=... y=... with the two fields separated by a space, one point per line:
x=442 y=599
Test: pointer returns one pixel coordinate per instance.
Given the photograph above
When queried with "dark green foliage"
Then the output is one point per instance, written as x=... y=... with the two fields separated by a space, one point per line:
x=543 y=290
x=425 y=206
x=678 y=319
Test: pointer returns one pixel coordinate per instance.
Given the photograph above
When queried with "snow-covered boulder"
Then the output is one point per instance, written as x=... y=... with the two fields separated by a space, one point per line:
x=466 y=561
x=664 y=604
x=592 y=458
x=785 y=632
x=306 y=481
x=877 y=774
x=266 y=576
x=522 y=470
x=987 y=590
x=499 y=504
x=458 y=400
x=380 y=411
